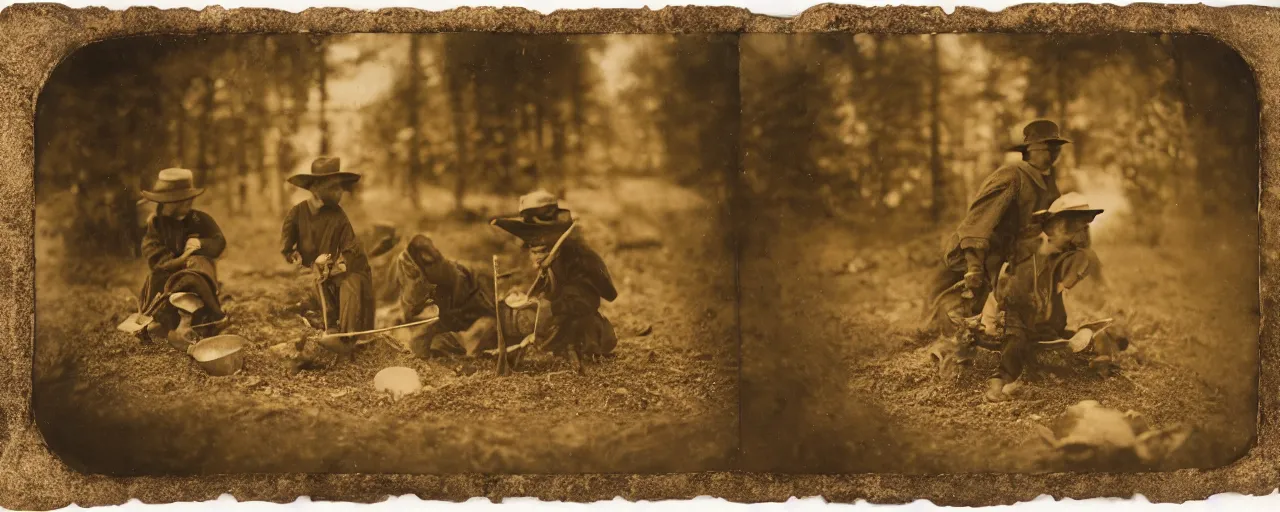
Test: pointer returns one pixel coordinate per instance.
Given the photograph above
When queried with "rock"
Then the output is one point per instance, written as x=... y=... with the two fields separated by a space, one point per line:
x=622 y=391
x=1090 y=436
x=398 y=381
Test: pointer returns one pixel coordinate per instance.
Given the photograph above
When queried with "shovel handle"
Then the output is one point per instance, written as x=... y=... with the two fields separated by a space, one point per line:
x=215 y=322
x=375 y=331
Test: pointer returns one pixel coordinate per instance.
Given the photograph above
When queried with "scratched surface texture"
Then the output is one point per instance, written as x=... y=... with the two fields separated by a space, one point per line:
x=34 y=38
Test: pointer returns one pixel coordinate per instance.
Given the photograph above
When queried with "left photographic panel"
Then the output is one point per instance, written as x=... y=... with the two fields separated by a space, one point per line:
x=388 y=253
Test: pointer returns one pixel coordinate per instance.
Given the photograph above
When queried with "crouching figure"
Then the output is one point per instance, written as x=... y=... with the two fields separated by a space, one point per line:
x=462 y=293
x=1027 y=307
x=572 y=279
x=181 y=246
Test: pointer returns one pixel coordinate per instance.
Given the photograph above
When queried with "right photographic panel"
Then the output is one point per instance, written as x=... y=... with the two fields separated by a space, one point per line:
x=997 y=253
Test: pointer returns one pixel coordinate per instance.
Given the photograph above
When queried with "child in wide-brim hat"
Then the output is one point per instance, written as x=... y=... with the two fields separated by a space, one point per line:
x=574 y=281
x=181 y=245
x=317 y=233
x=1029 y=292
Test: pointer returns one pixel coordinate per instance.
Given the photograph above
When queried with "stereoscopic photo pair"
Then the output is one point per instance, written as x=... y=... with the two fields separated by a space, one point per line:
x=506 y=253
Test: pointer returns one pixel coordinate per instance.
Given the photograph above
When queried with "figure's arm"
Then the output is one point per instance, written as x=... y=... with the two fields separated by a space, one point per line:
x=597 y=273
x=153 y=248
x=349 y=245
x=995 y=197
x=1075 y=267
x=212 y=243
x=289 y=235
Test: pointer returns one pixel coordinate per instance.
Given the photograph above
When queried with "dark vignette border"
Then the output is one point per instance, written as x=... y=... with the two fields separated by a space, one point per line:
x=34 y=38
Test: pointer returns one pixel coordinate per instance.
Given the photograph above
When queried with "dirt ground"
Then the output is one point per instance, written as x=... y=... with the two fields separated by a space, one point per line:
x=833 y=354
x=666 y=402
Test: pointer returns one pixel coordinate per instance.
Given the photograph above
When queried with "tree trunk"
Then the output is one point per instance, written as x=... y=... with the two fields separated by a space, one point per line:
x=413 y=104
x=203 y=144
x=559 y=146
x=877 y=124
x=1189 y=173
x=242 y=161
x=938 y=201
x=539 y=138
x=577 y=118
x=322 y=83
x=462 y=162
x=1063 y=99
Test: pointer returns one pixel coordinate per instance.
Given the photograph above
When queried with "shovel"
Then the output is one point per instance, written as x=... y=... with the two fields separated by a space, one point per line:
x=136 y=322
x=1084 y=335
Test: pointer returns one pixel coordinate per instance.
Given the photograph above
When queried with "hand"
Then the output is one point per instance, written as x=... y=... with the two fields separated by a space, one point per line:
x=538 y=256
x=323 y=260
x=975 y=280
x=291 y=257
x=193 y=245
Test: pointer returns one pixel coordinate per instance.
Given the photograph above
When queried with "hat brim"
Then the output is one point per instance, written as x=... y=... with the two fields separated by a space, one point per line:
x=171 y=196
x=1046 y=214
x=534 y=234
x=310 y=180
x=1018 y=148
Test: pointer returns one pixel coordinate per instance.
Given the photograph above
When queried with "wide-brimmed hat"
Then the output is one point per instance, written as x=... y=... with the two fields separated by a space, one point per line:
x=538 y=199
x=1038 y=131
x=173 y=185
x=534 y=234
x=324 y=169
x=1070 y=204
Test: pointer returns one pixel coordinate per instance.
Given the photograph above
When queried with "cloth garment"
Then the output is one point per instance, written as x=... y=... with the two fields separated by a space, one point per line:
x=574 y=284
x=164 y=242
x=1033 y=307
x=999 y=224
x=313 y=230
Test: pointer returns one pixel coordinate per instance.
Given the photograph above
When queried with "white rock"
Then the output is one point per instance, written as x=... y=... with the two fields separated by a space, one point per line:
x=398 y=381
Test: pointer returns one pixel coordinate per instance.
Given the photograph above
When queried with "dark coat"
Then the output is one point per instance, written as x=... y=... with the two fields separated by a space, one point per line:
x=1028 y=292
x=1000 y=215
x=998 y=222
x=166 y=237
x=575 y=283
x=462 y=292
x=165 y=240
x=348 y=296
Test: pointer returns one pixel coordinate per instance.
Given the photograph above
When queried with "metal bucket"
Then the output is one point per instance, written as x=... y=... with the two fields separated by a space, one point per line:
x=220 y=355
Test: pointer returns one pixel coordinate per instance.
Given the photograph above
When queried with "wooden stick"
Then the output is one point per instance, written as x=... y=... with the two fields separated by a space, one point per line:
x=375 y=331
x=324 y=308
x=503 y=368
x=215 y=322
x=551 y=256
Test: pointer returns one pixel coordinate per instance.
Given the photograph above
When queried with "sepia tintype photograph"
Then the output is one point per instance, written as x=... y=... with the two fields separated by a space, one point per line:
x=886 y=254
x=387 y=253
x=998 y=252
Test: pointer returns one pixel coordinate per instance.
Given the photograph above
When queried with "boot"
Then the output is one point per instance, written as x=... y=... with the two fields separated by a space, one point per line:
x=995 y=391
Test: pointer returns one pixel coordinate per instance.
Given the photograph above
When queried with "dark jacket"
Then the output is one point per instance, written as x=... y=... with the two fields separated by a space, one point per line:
x=578 y=279
x=1028 y=292
x=166 y=237
x=1000 y=215
x=325 y=230
x=462 y=292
